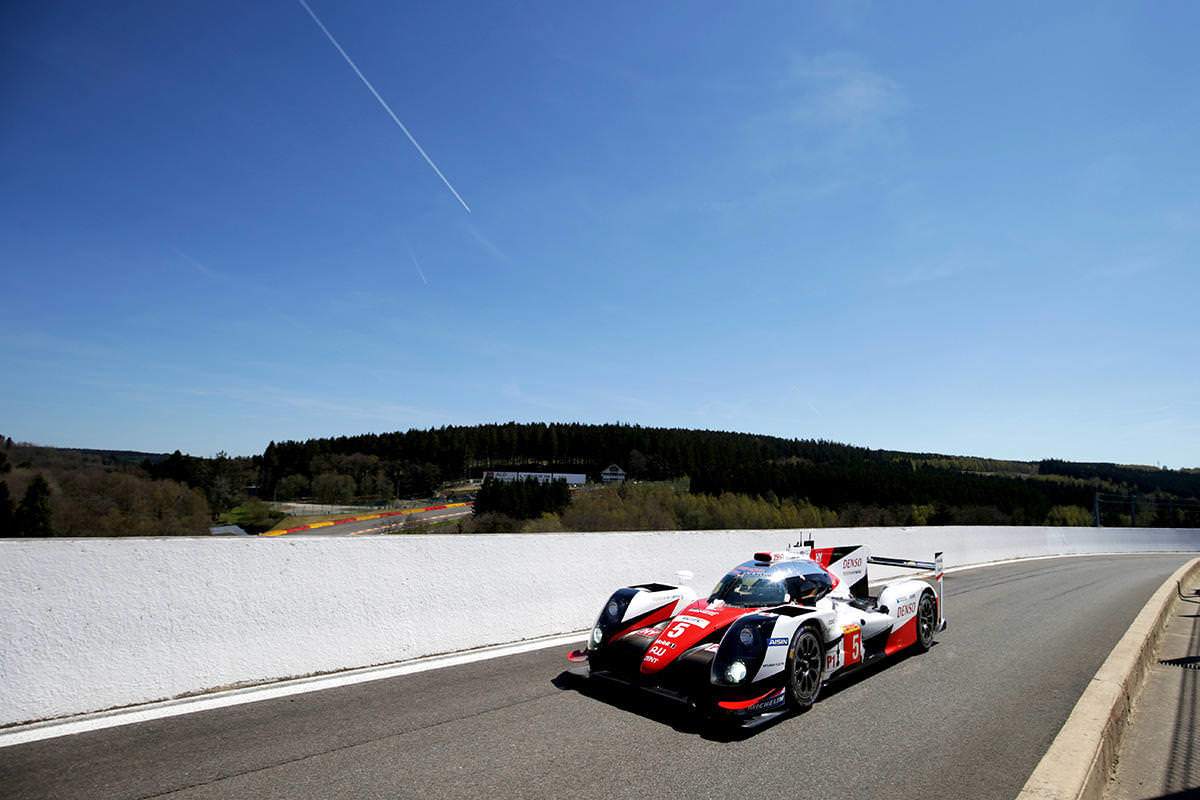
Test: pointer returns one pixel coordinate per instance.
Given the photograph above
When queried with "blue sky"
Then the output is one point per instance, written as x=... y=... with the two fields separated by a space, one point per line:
x=967 y=229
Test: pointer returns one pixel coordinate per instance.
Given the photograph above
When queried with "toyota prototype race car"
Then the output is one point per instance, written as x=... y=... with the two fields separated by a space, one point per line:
x=771 y=633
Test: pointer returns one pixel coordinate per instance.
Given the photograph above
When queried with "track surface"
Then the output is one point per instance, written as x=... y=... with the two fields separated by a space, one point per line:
x=381 y=525
x=971 y=718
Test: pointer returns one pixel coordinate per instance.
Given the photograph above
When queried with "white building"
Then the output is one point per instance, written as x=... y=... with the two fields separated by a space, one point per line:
x=572 y=479
x=613 y=474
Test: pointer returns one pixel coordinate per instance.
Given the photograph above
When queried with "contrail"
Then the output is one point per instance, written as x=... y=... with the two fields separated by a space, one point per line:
x=416 y=264
x=383 y=103
x=194 y=263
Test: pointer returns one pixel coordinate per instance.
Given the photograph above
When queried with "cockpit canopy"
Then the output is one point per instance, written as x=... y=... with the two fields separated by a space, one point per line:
x=758 y=585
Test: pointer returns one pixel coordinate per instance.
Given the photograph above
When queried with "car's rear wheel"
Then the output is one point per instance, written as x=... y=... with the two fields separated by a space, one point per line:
x=926 y=621
x=806 y=666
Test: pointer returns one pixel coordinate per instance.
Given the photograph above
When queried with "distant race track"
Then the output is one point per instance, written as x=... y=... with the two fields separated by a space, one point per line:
x=383 y=522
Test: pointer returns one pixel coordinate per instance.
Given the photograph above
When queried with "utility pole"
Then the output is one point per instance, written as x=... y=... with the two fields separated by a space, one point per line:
x=1098 y=523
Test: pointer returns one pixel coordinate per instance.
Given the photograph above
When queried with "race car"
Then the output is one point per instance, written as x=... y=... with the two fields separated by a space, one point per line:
x=773 y=631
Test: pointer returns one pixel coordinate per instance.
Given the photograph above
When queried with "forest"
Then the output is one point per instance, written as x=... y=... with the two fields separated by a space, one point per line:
x=709 y=479
x=47 y=491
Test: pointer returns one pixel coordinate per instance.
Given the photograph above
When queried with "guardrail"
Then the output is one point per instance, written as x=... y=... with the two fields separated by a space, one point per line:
x=91 y=624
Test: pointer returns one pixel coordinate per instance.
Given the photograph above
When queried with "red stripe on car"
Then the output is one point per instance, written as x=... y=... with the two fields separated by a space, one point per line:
x=902 y=637
x=741 y=705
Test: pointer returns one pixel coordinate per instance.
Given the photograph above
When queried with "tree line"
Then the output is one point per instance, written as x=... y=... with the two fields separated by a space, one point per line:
x=955 y=496
x=785 y=480
x=860 y=485
x=420 y=458
x=80 y=493
x=1183 y=483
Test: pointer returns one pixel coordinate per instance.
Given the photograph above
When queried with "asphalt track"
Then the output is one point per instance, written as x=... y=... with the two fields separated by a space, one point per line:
x=971 y=718
x=382 y=525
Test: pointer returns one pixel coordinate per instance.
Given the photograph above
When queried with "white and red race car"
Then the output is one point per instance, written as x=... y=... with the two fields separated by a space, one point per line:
x=771 y=633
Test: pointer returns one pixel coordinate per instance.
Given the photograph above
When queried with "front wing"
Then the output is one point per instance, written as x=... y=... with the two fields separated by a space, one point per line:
x=687 y=680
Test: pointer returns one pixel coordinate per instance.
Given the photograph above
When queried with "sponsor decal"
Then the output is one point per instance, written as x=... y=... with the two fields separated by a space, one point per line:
x=906 y=609
x=658 y=650
x=707 y=611
x=776 y=642
x=651 y=659
x=770 y=703
x=822 y=556
x=651 y=632
x=852 y=563
x=712 y=648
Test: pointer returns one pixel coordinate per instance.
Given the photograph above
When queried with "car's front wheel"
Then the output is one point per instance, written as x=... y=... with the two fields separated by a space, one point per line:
x=806 y=666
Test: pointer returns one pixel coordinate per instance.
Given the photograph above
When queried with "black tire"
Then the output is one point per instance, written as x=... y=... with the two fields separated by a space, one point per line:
x=927 y=620
x=805 y=668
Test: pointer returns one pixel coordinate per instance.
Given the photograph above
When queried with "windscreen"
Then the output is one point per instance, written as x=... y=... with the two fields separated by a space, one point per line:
x=756 y=586
x=749 y=590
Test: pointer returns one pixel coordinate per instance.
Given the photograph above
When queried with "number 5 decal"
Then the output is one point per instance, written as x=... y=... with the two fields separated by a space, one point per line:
x=681 y=624
x=852 y=644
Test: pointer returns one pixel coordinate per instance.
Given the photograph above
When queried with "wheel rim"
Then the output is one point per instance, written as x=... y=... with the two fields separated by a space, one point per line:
x=927 y=618
x=808 y=665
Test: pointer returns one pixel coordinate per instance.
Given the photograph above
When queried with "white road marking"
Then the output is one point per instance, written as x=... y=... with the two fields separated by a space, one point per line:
x=189 y=705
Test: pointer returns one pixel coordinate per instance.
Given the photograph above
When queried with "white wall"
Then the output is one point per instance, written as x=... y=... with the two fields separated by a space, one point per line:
x=89 y=624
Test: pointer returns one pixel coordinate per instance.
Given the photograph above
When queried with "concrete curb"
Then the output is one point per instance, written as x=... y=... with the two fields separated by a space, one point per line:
x=1078 y=763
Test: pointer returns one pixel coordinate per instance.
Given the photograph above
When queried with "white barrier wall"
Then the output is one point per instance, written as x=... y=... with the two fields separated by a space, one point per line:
x=91 y=624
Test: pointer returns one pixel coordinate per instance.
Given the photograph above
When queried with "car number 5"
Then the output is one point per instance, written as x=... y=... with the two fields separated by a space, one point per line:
x=852 y=642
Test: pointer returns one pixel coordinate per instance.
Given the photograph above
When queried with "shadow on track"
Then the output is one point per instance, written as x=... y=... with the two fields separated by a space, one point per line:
x=688 y=720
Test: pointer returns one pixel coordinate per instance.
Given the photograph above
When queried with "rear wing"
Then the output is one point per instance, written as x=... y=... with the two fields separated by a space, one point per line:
x=934 y=566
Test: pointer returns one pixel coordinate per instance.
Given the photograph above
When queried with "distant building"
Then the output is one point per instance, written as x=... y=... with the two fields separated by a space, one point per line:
x=613 y=474
x=572 y=479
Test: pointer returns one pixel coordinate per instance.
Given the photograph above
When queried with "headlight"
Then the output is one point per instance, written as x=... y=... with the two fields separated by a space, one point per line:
x=742 y=650
x=612 y=613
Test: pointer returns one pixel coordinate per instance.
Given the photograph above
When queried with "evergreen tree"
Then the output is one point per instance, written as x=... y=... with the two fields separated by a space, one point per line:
x=7 y=524
x=527 y=499
x=33 y=514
